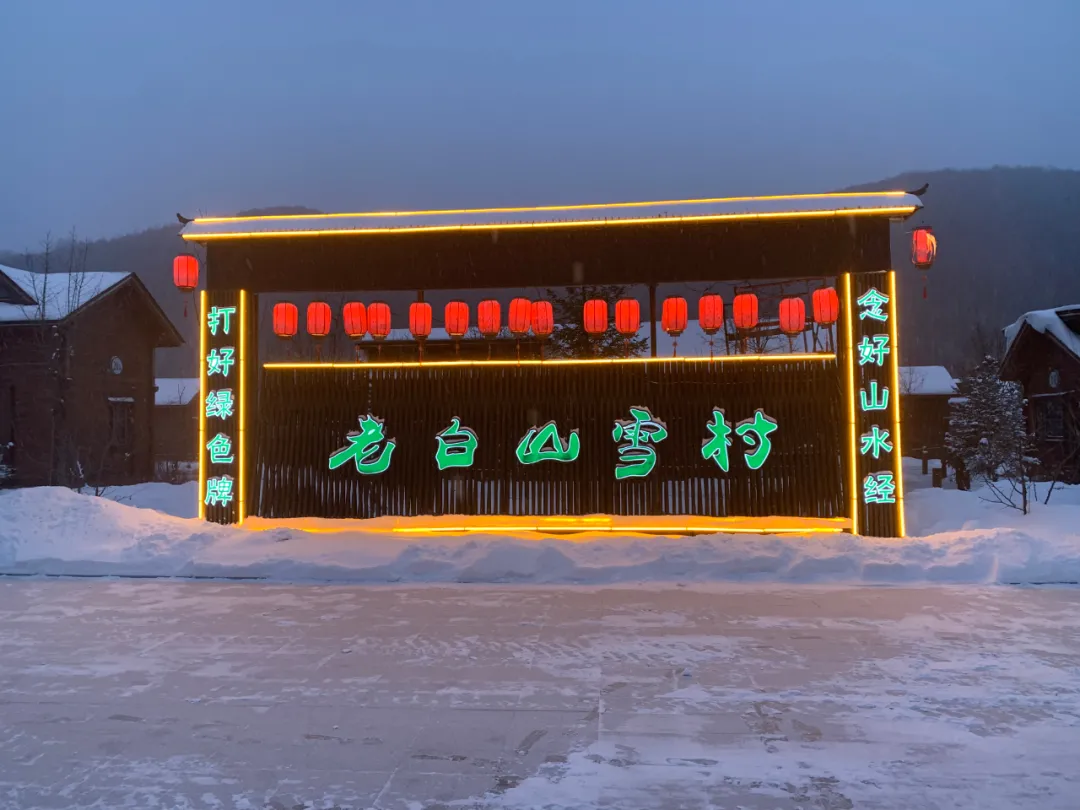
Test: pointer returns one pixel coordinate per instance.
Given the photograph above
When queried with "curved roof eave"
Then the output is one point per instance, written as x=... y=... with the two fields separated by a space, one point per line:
x=891 y=204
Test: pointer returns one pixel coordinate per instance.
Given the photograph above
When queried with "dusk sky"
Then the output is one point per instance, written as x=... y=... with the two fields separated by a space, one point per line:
x=115 y=114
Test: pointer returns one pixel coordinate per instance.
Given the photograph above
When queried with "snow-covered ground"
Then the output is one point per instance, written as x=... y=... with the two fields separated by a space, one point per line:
x=956 y=537
x=214 y=695
x=660 y=690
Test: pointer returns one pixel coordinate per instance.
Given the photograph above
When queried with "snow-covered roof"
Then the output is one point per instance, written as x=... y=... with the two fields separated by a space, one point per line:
x=926 y=380
x=1048 y=321
x=57 y=294
x=881 y=203
x=176 y=390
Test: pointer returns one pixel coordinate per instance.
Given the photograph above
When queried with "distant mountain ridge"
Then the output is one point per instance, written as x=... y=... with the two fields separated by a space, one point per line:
x=1009 y=242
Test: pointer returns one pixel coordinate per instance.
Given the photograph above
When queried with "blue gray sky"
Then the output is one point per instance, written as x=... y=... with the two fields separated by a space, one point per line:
x=115 y=114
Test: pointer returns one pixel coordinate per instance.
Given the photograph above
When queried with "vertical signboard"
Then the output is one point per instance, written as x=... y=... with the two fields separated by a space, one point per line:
x=876 y=484
x=222 y=346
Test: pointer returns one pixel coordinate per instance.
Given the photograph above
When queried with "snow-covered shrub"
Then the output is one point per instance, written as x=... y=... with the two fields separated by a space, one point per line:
x=988 y=436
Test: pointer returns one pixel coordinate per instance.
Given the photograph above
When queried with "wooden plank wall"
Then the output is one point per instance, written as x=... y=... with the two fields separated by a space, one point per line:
x=305 y=414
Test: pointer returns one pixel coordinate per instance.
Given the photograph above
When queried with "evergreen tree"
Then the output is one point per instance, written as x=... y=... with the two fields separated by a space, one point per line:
x=569 y=338
x=988 y=436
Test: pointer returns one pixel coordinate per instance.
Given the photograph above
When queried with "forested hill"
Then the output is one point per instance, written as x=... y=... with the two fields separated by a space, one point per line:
x=1009 y=241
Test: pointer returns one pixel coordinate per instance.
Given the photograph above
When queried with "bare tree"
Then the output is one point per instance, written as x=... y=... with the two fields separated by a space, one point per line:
x=911 y=380
x=78 y=252
x=982 y=342
x=1064 y=469
x=59 y=286
x=39 y=282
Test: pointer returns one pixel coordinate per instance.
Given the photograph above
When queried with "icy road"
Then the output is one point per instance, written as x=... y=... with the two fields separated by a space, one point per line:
x=167 y=694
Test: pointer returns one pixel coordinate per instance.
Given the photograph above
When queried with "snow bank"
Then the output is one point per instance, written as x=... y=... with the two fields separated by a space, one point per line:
x=963 y=539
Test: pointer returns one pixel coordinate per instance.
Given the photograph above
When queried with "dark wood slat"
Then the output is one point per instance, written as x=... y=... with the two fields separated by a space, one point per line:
x=304 y=416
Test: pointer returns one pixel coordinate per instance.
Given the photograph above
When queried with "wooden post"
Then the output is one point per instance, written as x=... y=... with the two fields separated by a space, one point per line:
x=652 y=318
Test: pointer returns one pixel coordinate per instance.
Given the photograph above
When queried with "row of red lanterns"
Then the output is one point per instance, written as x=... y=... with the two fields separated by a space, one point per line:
x=374 y=319
x=744 y=313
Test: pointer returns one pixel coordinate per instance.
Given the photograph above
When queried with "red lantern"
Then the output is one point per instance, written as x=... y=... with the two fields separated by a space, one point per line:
x=744 y=311
x=286 y=318
x=420 y=324
x=627 y=317
x=520 y=312
x=710 y=313
x=378 y=315
x=792 y=316
x=543 y=319
x=826 y=306
x=420 y=319
x=489 y=318
x=923 y=247
x=596 y=320
x=354 y=316
x=456 y=314
x=318 y=319
x=673 y=316
x=627 y=320
x=185 y=272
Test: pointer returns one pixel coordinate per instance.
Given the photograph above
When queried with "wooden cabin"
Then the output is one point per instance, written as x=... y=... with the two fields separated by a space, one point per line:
x=77 y=377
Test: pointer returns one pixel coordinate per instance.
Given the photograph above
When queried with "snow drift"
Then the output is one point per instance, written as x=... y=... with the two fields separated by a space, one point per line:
x=963 y=540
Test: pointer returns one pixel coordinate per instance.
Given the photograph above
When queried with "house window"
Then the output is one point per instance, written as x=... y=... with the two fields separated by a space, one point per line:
x=1050 y=419
x=121 y=423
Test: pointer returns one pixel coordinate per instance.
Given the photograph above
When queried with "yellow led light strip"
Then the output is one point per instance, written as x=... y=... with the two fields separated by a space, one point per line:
x=202 y=402
x=240 y=511
x=585 y=207
x=608 y=361
x=853 y=459
x=894 y=211
x=569 y=525
x=898 y=454
x=721 y=528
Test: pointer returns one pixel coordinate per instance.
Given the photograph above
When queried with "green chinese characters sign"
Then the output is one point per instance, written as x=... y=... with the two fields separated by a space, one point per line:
x=636 y=444
x=220 y=386
x=872 y=360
